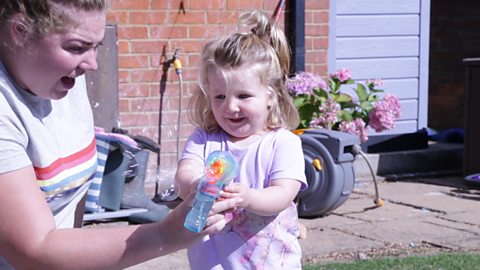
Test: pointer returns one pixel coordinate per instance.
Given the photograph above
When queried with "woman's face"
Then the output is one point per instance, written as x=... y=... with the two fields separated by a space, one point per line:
x=48 y=67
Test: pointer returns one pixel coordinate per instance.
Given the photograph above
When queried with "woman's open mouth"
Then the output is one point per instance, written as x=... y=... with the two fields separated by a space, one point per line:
x=68 y=82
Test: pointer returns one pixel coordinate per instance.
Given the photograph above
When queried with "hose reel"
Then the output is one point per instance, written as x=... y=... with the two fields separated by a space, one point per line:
x=329 y=170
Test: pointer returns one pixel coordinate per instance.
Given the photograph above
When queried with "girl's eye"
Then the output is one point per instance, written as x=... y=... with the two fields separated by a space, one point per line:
x=220 y=97
x=244 y=96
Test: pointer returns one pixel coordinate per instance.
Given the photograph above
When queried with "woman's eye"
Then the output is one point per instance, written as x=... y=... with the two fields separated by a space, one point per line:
x=76 y=49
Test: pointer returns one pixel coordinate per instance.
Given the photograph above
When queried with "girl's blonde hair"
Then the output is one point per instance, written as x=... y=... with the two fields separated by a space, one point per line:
x=264 y=48
x=41 y=17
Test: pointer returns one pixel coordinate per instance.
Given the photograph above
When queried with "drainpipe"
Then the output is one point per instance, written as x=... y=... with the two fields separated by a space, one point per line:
x=295 y=31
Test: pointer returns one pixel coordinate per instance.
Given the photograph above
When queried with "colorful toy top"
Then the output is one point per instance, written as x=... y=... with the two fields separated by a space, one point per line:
x=220 y=168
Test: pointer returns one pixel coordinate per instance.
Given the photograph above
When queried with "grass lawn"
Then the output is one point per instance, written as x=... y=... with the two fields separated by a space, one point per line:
x=444 y=261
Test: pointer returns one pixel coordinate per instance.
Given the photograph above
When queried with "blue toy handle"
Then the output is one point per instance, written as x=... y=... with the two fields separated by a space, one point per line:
x=221 y=167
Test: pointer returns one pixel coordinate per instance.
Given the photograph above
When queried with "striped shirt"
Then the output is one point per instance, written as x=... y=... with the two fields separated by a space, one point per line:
x=56 y=137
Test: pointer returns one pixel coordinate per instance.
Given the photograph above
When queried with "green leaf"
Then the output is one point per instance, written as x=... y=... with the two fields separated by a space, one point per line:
x=333 y=86
x=343 y=98
x=366 y=105
x=361 y=92
x=320 y=92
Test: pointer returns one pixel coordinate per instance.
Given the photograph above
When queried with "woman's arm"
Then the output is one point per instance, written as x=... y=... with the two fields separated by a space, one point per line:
x=266 y=202
x=29 y=239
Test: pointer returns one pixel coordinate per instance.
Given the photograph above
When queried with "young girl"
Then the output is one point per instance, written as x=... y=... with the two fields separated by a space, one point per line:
x=242 y=106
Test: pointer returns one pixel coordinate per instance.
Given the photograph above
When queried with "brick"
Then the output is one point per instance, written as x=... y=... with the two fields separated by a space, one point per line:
x=244 y=4
x=133 y=90
x=124 y=76
x=145 y=105
x=191 y=17
x=316 y=56
x=145 y=75
x=134 y=119
x=207 y=5
x=316 y=30
x=123 y=105
x=168 y=5
x=117 y=17
x=146 y=46
x=168 y=32
x=317 y=4
x=206 y=31
x=223 y=17
x=320 y=43
x=132 y=32
x=149 y=17
x=132 y=61
x=123 y=47
x=130 y=4
x=188 y=46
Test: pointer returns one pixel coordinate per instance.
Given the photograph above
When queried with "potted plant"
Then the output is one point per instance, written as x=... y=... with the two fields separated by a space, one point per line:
x=324 y=103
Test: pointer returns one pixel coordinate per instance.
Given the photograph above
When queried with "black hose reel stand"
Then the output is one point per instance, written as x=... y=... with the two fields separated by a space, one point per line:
x=329 y=171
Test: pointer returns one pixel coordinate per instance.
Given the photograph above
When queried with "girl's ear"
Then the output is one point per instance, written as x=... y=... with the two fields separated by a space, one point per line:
x=18 y=29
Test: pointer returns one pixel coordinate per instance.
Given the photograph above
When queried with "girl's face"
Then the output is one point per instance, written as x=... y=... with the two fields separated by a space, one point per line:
x=48 y=67
x=241 y=106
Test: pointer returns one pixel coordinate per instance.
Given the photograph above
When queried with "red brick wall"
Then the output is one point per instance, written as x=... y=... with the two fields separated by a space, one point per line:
x=148 y=33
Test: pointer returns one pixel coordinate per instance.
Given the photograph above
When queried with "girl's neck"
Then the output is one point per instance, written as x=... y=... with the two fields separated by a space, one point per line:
x=247 y=140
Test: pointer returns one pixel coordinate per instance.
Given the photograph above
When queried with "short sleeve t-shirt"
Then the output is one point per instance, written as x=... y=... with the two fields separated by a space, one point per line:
x=251 y=241
x=56 y=137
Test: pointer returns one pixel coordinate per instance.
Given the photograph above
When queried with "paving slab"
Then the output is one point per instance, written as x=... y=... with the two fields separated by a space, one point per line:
x=468 y=217
x=324 y=242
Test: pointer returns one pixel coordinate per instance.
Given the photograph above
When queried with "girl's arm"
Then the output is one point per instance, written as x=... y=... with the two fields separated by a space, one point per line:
x=266 y=202
x=187 y=175
x=29 y=239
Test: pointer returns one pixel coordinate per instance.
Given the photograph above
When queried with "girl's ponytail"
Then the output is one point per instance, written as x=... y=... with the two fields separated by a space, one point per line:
x=267 y=30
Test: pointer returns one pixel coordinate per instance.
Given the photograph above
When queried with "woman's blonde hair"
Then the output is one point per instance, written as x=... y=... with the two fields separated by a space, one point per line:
x=41 y=17
x=263 y=47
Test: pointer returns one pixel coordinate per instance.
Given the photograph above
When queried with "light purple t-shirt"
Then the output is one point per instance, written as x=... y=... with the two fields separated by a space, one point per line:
x=251 y=241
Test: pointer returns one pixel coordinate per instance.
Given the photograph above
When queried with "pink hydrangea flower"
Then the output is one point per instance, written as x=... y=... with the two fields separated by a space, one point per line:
x=384 y=113
x=304 y=83
x=328 y=114
x=355 y=127
x=375 y=83
x=342 y=75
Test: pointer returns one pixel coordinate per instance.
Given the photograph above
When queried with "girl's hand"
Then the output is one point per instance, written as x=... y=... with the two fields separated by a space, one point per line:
x=238 y=191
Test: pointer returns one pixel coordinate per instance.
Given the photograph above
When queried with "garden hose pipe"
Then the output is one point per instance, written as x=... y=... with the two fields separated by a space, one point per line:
x=357 y=150
x=177 y=65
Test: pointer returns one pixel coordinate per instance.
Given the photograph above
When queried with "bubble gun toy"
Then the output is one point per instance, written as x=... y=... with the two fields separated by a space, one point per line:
x=220 y=168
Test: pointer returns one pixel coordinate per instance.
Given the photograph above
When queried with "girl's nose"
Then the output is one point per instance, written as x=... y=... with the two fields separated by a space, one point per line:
x=90 y=60
x=230 y=105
